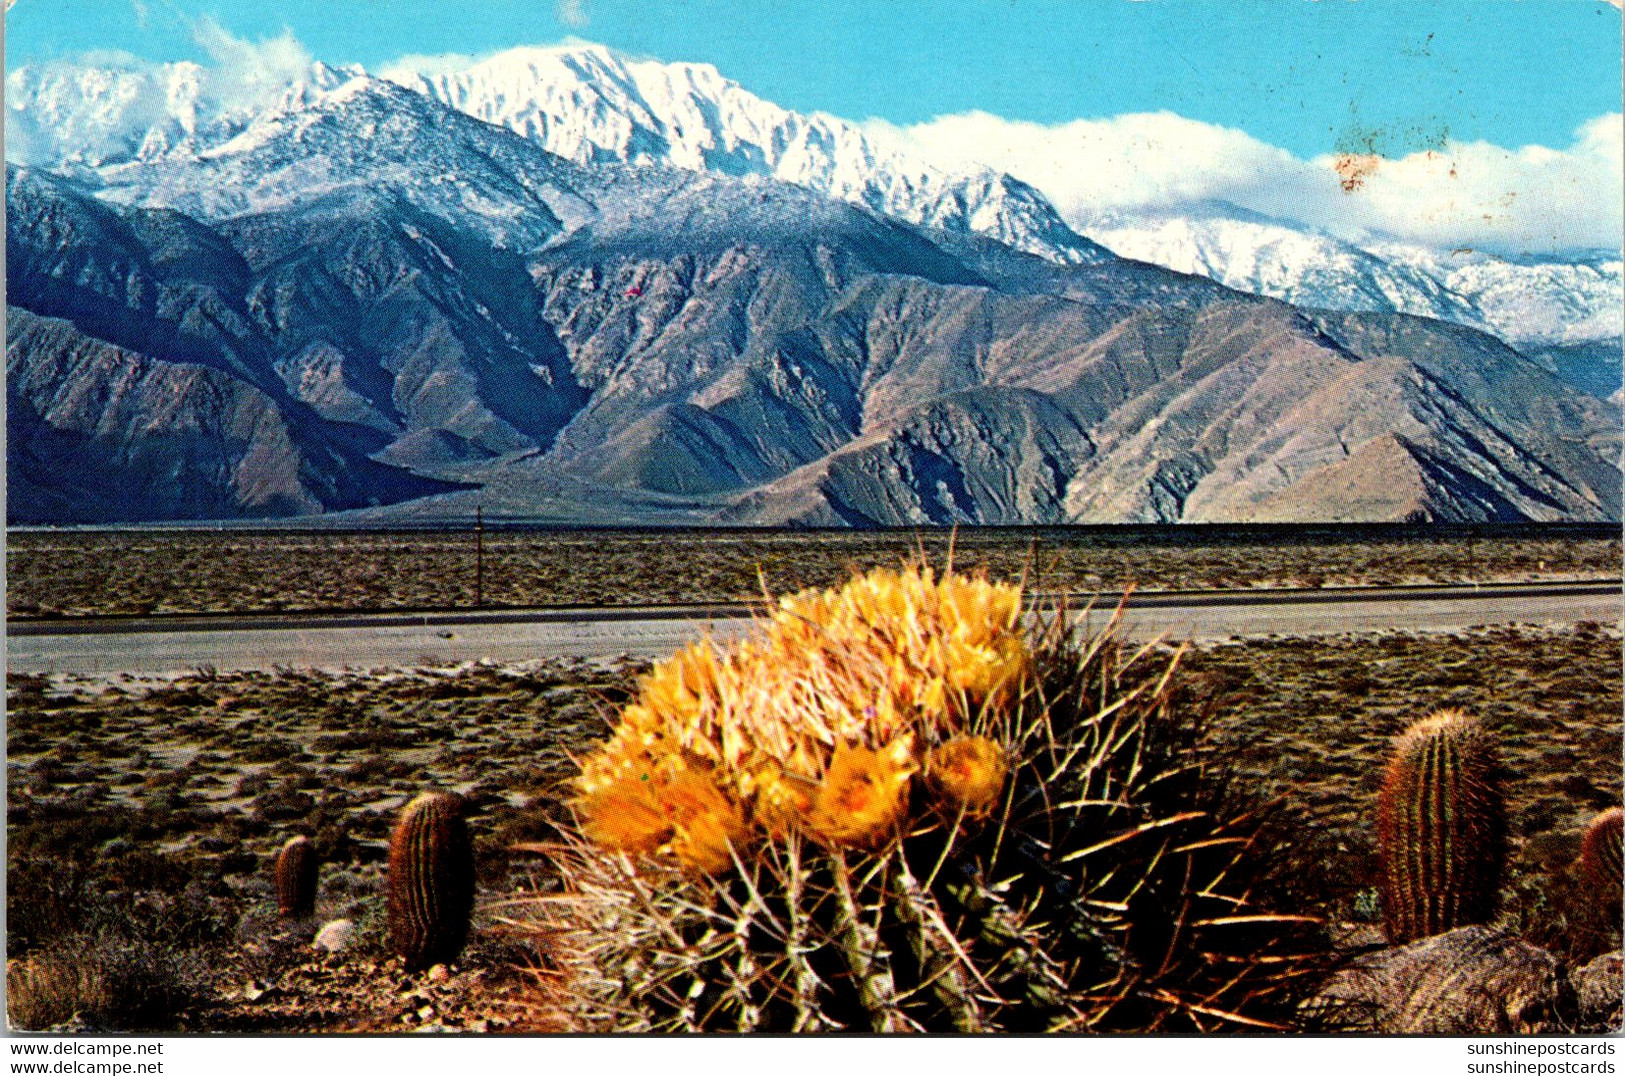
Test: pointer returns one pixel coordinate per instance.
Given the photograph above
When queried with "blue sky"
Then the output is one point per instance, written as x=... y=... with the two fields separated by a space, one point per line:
x=1486 y=123
x=1384 y=76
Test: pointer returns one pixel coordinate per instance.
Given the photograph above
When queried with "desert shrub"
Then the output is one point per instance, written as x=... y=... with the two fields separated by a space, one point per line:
x=896 y=808
x=280 y=804
x=178 y=696
x=376 y=739
x=106 y=981
x=272 y=749
x=371 y=935
x=376 y=768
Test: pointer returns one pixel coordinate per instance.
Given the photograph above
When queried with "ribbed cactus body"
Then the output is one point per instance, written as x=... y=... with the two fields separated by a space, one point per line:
x=295 y=876
x=1600 y=853
x=1441 y=828
x=431 y=881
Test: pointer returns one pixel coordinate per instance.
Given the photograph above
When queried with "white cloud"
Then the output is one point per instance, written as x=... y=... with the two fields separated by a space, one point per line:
x=1461 y=194
x=247 y=72
x=404 y=68
x=1478 y=194
x=572 y=13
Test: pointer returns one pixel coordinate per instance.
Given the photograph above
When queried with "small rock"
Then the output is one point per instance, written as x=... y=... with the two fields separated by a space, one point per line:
x=255 y=992
x=425 y=1012
x=1467 y=981
x=439 y=973
x=334 y=937
x=1599 y=987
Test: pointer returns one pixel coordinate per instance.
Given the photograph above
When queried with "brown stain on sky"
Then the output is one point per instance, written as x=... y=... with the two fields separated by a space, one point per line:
x=1354 y=168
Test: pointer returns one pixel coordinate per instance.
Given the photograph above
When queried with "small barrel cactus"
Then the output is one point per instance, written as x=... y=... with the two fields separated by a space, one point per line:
x=1441 y=828
x=431 y=881
x=1600 y=853
x=295 y=875
x=896 y=806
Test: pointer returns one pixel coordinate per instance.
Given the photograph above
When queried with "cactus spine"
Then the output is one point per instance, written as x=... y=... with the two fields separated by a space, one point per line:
x=431 y=881
x=1441 y=828
x=1600 y=853
x=296 y=869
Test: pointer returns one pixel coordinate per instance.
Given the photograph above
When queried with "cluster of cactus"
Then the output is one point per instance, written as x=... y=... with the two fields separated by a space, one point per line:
x=1441 y=828
x=1442 y=838
x=899 y=807
x=431 y=881
x=295 y=876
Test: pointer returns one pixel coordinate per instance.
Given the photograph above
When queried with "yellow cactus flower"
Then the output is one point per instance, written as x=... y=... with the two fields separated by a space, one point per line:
x=836 y=682
x=625 y=814
x=674 y=807
x=985 y=671
x=783 y=799
x=678 y=690
x=966 y=774
x=863 y=794
x=705 y=822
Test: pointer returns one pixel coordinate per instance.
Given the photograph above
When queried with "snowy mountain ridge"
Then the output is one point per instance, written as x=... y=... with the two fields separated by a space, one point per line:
x=77 y=117
x=592 y=106
x=1529 y=302
x=586 y=104
x=346 y=295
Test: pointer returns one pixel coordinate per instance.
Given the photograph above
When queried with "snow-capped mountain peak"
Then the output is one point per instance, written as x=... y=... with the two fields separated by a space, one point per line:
x=79 y=116
x=1251 y=252
x=365 y=139
x=582 y=102
x=1538 y=301
x=590 y=104
x=1530 y=302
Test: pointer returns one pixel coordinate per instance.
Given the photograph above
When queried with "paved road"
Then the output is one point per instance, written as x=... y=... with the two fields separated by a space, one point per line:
x=161 y=645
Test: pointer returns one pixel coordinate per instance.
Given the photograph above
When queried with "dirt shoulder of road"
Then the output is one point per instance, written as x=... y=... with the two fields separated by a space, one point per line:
x=131 y=572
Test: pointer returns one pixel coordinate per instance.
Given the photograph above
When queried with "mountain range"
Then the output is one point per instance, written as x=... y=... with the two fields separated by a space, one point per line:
x=568 y=286
x=1565 y=312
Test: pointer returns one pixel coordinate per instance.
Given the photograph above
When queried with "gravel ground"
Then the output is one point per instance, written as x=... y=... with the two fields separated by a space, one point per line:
x=133 y=803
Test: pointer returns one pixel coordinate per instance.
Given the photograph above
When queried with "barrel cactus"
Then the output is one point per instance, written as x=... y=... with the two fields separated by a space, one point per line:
x=1600 y=853
x=898 y=807
x=431 y=881
x=1441 y=828
x=295 y=876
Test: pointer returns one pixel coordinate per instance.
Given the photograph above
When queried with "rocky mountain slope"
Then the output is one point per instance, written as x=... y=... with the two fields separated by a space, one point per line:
x=364 y=297
x=137 y=386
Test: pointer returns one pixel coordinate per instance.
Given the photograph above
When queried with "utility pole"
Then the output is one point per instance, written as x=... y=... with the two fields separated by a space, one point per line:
x=479 y=556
